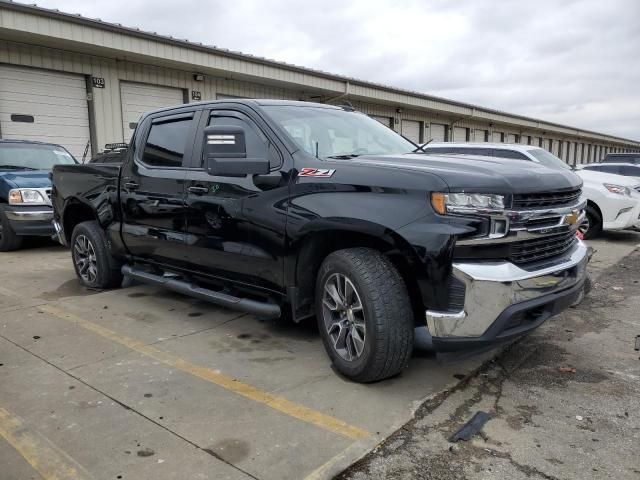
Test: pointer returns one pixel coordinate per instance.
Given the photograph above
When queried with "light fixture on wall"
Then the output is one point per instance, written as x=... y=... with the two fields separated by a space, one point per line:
x=198 y=77
x=398 y=110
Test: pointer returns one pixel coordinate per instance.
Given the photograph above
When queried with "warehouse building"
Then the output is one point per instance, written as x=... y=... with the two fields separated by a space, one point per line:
x=83 y=83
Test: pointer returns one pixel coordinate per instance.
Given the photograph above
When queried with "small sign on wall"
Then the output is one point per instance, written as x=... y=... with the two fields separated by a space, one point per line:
x=195 y=95
x=98 y=82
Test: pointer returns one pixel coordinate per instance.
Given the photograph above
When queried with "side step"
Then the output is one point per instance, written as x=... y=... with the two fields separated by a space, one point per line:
x=260 y=309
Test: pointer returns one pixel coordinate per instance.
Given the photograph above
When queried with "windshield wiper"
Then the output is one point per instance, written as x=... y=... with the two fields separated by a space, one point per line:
x=17 y=167
x=344 y=157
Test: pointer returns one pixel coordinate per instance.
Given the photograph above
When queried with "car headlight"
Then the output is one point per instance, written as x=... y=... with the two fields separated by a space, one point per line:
x=22 y=196
x=619 y=189
x=444 y=203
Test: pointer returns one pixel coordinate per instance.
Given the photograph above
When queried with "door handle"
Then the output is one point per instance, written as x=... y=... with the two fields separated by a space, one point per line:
x=131 y=186
x=198 y=190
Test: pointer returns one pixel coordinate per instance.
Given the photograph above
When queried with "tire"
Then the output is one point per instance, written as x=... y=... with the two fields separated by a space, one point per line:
x=385 y=317
x=592 y=226
x=9 y=241
x=93 y=263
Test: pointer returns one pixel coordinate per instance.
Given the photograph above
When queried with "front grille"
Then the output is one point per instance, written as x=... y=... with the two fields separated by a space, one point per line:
x=523 y=201
x=542 y=222
x=540 y=248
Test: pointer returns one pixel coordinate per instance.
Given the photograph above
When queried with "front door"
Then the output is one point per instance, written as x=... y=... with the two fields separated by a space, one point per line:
x=152 y=189
x=236 y=224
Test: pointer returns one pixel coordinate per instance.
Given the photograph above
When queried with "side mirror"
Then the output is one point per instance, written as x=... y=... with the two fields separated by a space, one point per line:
x=225 y=153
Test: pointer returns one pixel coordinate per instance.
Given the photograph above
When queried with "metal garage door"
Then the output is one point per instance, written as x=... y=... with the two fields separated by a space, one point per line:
x=438 y=132
x=459 y=134
x=45 y=106
x=497 y=137
x=386 y=121
x=139 y=98
x=411 y=130
x=512 y=138
x=480 y=136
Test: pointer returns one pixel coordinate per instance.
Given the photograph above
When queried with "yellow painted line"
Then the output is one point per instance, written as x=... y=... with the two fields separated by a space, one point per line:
x=45 y=458
x=280 y=404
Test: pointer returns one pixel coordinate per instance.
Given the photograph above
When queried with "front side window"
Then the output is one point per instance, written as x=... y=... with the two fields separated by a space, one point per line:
x=166 y=143
x=336 y=133
x=255 y=140
x=16 y=156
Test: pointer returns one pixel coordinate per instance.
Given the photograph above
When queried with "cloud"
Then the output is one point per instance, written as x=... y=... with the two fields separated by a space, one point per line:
x=572 y=62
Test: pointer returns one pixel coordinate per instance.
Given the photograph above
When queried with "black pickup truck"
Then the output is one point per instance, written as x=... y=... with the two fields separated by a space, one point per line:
x=296 y=209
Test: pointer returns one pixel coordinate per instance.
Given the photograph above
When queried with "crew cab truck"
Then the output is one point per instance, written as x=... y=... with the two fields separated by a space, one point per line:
x=297 y=209
x=25 y=188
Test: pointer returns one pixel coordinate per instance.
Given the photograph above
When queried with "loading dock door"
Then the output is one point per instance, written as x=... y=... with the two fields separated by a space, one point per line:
x=497 y=137
x=459 y=134
x=45 y=106
x=438 y=132
x=480 y=136
x=411 y=130
x=386 y=121
x=139 y=98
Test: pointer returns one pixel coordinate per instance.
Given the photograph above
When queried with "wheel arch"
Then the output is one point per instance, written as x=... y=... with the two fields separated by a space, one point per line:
x=320 y=240
x=76 y=212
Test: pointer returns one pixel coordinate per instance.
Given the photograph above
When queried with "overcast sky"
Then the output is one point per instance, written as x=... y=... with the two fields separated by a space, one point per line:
x=572 y=62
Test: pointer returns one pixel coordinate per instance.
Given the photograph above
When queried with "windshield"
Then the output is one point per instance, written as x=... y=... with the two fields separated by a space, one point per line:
x=17 y=156
x=331 y=133
x=548 y=159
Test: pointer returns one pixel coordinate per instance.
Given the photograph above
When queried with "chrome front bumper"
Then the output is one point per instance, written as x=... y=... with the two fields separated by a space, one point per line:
x=492 y=287
x=29 y=215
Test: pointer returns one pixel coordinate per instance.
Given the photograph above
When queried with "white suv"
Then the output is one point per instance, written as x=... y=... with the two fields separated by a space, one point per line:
x=613 y=200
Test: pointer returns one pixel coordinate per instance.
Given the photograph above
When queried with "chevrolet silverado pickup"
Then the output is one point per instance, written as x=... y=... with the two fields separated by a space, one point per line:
x=296 y=209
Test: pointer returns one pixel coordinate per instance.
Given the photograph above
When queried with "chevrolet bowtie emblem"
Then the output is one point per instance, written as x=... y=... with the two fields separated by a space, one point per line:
x=572 y=218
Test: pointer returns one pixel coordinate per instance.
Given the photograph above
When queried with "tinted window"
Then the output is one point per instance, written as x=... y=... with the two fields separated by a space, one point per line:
x=631 y=170
x=548 y=159
x=622 y=159
x=440 y=150
x=509 y=154
x=256 y=141
x=166 y=143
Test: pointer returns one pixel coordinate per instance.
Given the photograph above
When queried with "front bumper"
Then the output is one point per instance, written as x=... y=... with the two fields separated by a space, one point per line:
x=30 y=221
x=623 y=214
x=503 y=301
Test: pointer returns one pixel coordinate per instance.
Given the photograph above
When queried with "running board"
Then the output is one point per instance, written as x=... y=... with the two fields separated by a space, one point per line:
x=260 y=309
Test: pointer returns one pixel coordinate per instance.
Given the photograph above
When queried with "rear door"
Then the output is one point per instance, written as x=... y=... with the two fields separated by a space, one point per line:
x=152 y=188
x=236 y=224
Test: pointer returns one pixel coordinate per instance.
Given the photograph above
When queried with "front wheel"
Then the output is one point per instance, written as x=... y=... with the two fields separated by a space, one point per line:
x=8 y=239
x=94 y=264
x=364 y=314
x=591 y=226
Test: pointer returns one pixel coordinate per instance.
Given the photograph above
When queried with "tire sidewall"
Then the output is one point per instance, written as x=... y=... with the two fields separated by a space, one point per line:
x=336 y=264
x=8 y=239
x=595 y=224
x=95 y=236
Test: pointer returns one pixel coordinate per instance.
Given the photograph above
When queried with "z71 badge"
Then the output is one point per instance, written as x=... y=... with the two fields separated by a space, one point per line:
x=316 y=172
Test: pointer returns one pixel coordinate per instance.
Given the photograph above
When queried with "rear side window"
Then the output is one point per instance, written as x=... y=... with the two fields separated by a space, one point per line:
x=440 y=150
x=499 y=153
x=622 y=159
x=167 y=142
x=631 y=170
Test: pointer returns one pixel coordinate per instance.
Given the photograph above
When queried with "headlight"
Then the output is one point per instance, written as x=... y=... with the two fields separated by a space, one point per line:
x=619 y=189
x=444 y=203
x=23 y=196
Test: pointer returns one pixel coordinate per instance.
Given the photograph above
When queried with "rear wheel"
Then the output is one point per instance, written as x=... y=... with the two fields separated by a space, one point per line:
x=8 y=239
x=94 y=264
x=364 y=314
x=591 y=226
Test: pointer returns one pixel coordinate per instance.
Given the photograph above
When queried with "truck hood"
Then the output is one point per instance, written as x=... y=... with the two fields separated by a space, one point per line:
x=26 y=178
x=480 y=174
